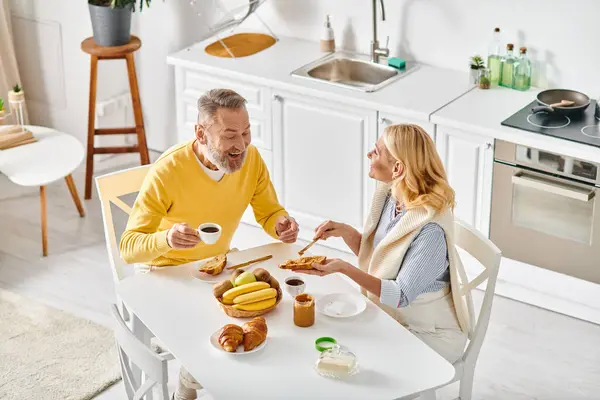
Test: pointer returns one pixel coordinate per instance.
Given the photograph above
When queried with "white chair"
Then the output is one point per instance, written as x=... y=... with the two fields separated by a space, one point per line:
x=110 y=187
x=488 y=255
x=132 y=351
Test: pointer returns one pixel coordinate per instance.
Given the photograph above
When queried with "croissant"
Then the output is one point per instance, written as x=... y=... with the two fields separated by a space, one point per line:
x=230 y=337
x=255 y=333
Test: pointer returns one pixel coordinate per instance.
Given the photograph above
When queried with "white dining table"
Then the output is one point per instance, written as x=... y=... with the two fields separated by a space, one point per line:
x=182 y=313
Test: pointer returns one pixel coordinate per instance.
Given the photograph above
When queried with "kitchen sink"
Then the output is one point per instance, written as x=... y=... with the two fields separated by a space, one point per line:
x=349 y=70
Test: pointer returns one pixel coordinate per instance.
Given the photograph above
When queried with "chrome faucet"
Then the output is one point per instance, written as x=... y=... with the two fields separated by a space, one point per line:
x=376 y=51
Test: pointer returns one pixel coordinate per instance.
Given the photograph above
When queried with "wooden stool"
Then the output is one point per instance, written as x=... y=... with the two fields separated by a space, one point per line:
x=124 y=52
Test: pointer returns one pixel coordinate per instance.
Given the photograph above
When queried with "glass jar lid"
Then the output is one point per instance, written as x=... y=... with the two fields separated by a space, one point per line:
x=325 y=343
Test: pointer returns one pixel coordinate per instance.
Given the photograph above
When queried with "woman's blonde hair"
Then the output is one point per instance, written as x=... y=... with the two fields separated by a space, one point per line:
x=423 y=181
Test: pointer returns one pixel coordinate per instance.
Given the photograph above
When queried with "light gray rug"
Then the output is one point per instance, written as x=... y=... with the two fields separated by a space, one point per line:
x=46 y=353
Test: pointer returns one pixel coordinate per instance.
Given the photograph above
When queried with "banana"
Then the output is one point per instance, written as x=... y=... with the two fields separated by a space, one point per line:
x=256 y=306
x=231 y=294
x=253 y=297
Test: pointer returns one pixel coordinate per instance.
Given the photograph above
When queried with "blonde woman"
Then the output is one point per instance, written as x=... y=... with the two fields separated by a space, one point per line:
x=408 y=264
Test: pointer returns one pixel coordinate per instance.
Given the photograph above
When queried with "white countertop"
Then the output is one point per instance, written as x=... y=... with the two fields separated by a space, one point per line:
x=482 y=111
x=441 y=96
x=416 y=95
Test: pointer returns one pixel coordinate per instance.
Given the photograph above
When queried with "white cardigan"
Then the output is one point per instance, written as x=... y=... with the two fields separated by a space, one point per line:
x=385 y=260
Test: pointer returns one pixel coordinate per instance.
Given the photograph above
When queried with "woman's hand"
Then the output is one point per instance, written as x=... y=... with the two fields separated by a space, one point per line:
x=330 y=229
x=351 y=236
x=330 y=266
x=333 y=265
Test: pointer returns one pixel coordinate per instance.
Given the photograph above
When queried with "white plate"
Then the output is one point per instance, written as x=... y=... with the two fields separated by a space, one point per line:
x=341 y=305
x=214 y=340
x=206 y=277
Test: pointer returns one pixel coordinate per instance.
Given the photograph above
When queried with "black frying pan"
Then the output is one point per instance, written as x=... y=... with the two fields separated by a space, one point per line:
x=553 y=96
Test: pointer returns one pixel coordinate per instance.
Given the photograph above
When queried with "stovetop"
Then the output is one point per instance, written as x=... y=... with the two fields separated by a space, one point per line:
x=584 y=129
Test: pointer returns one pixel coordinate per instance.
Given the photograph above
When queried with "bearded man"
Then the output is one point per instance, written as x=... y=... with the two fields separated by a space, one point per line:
x=210 y=179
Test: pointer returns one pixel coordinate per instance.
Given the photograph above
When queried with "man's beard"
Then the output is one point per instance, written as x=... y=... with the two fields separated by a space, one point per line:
x=222 y=160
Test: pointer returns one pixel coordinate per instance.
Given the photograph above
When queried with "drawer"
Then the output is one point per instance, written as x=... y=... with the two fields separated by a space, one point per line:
x=386 y=119
x=195 y=83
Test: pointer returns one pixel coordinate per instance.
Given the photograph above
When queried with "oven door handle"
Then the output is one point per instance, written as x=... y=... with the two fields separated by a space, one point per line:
x=557 y=188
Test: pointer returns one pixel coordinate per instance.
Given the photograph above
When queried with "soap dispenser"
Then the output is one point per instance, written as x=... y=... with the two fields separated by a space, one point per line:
x=327 y=39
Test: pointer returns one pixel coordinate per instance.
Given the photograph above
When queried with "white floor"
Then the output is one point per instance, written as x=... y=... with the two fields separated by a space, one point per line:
x=529 y=353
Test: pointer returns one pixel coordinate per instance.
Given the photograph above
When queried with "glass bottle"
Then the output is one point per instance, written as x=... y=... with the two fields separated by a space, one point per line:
x=507 y=67
x=484 y=78
x=522 y=79
x=494 y=55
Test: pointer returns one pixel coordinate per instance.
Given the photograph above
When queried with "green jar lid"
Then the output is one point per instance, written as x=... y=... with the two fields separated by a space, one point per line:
x=324 y=343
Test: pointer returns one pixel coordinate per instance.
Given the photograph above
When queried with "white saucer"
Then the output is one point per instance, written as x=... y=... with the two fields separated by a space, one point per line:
x=214 y=340
x=341 y=305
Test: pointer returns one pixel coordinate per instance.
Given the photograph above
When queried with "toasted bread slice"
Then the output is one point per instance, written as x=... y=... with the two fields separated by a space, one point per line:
x=214 y=266
x=303 y=263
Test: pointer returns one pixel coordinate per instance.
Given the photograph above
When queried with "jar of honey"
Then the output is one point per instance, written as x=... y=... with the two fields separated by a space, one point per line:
x=304 y=310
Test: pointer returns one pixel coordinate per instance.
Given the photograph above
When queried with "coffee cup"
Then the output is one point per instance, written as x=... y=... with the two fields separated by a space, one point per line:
x=209 y=233
x=294 y=285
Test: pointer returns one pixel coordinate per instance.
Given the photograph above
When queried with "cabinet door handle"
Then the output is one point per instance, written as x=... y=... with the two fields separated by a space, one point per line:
x=488 y=145
x=384 y=121
x=276 y=97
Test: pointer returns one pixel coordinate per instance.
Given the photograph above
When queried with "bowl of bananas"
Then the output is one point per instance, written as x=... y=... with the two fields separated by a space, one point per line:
x=248 y=294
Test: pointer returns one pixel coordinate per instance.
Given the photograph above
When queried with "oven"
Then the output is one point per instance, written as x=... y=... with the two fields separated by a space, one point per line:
x=546 y=210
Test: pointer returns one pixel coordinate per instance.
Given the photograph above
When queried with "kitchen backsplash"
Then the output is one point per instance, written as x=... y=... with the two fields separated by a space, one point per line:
x=561 y=36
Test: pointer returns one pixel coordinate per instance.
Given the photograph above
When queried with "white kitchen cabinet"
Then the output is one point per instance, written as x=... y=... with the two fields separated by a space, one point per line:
x=320 y=158
x=267 y=156
x=386 y=120
x=468 y=160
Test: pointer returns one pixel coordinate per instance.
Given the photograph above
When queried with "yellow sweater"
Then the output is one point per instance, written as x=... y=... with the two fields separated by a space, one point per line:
x=177 y=190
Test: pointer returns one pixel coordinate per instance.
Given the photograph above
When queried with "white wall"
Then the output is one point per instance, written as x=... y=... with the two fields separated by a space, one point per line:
x=55 y=72
x=164 y=28
x=559 y=33
x=562 y=35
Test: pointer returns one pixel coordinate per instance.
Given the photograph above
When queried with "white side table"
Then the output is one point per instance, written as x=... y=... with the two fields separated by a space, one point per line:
x=54 y=156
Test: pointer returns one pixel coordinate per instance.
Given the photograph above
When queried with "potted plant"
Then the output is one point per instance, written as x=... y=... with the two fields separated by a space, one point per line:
x=111 y=20
x=476 y=64
x=2 y=110
x=16 y=95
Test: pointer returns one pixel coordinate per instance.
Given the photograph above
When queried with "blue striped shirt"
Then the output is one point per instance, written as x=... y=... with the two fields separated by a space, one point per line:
x=424 y=268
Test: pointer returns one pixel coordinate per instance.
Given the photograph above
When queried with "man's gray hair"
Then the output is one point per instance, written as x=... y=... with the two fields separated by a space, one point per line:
x=211 y=101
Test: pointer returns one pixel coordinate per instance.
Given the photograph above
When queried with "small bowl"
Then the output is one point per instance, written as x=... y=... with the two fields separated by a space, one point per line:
x=294 y=290
x=209 y=237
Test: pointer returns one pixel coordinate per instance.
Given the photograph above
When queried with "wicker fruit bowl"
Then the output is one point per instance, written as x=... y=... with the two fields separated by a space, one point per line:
x=235 y=313
x=259 y=296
